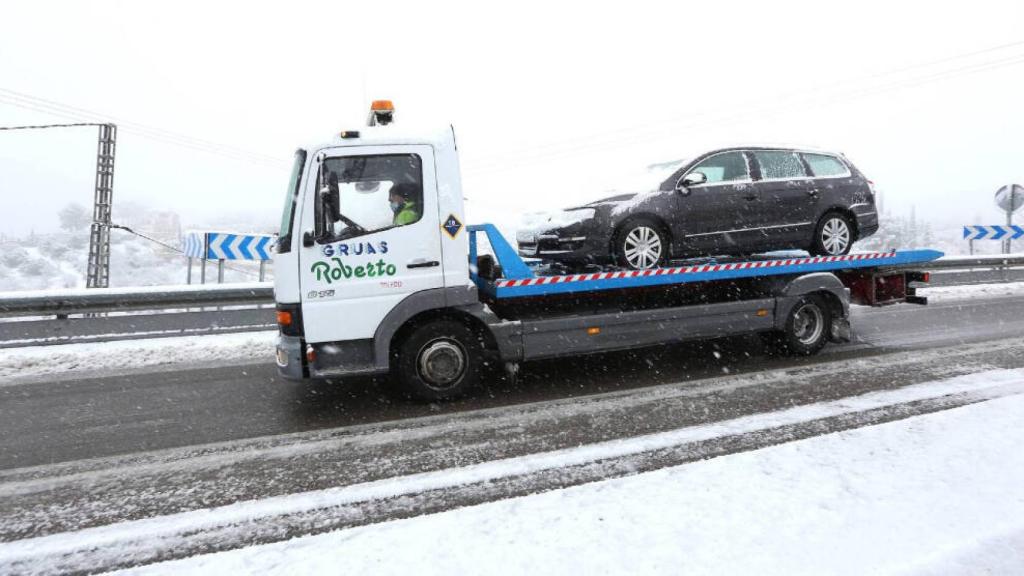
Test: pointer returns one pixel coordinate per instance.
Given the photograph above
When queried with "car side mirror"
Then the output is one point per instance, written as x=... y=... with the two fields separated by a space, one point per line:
x=691 y=179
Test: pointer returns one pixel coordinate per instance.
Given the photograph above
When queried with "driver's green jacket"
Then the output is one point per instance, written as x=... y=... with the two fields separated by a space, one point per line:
x=407 y=215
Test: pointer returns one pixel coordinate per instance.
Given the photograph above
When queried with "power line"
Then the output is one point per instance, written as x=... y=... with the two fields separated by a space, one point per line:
x=175 y=248
x=612 y=139
x=38 y=104
x=41 y=126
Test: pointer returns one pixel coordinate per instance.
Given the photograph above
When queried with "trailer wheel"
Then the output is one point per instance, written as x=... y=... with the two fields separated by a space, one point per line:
x=807 y=328
x=439 y=360
x=641 y=244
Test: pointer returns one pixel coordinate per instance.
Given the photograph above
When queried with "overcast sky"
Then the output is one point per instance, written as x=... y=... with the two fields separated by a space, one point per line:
x=549 y=103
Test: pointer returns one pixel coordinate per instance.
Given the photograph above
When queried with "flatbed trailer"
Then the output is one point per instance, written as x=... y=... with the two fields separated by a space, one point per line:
x=421 y=302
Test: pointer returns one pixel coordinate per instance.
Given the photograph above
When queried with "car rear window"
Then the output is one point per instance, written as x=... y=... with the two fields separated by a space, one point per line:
x=825 y=165
x=779 y=164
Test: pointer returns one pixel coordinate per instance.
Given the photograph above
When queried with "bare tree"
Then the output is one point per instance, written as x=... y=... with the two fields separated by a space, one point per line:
x=74 y=217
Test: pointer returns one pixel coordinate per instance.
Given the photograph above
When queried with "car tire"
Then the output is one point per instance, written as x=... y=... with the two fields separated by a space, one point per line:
x=806 y=331
x=833 y=236
x=640 y=244
x=440 y=360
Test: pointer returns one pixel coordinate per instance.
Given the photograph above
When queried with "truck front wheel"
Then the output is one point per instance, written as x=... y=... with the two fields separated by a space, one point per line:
x=439 y=360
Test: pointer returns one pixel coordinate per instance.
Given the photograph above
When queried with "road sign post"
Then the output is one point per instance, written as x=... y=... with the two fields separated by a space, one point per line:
x=1010 y=198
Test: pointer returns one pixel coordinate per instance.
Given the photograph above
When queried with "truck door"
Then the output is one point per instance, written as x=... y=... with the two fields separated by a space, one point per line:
x=374 y=237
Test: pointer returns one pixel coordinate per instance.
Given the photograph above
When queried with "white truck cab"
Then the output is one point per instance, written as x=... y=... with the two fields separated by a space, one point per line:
x=373 y=221
x=373 y=276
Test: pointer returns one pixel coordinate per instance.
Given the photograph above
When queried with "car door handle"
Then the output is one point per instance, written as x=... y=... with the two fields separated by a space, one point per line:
x=750 y=197
x=422 y=264
x=813 y=193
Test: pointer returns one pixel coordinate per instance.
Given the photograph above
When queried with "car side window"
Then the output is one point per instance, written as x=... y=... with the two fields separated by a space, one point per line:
x=724 y=167
x=825 y=165
x=779 y=164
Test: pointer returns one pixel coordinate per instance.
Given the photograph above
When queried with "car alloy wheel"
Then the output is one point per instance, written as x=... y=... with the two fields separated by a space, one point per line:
x=642 y=248
x=835 y=236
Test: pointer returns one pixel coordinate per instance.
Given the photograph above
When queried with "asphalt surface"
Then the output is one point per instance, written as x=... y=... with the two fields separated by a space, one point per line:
x=60 y=420
x=95 y=452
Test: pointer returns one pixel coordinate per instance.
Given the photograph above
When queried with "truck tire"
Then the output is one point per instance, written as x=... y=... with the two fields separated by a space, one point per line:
x=806 y=330
x=641 y=243
x=439 y=360
x=833 y=236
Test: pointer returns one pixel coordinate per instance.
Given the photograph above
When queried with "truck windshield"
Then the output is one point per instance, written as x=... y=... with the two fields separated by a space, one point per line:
x=364 y=194
x=284 y=238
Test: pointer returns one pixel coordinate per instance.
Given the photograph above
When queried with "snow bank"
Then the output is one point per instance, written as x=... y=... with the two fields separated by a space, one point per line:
x=932 y=494
x=939 y=294
x=116 y=357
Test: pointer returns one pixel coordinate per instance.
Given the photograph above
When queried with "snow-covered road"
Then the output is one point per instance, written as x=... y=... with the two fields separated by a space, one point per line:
x=933 y=494
x=107 y=541
x=134 y=453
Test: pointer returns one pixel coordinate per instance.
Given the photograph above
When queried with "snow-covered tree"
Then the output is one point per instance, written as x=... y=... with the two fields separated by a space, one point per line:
x=74 y=217
x=899 y=233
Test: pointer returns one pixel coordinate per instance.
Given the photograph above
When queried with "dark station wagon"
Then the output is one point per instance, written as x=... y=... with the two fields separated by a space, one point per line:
x=731 y=201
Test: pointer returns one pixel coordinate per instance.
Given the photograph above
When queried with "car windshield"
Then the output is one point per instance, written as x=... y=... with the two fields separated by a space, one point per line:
x=647 y=178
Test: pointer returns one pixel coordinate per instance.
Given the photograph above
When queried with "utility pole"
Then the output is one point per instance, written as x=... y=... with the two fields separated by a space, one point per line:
x=98 y=270
x=98 y=273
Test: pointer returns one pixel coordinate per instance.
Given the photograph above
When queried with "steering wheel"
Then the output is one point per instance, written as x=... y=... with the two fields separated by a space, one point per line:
x=352 y=224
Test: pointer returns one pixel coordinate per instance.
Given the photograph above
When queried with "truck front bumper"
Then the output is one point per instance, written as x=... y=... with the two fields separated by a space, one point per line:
x=289 y=357
x=329 y=360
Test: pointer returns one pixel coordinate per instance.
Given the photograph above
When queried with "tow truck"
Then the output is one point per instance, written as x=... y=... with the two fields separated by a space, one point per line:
x=440 y=305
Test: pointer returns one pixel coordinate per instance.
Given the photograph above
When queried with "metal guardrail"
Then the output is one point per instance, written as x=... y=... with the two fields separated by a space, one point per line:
x=987 y=262
x=112 y=314
x=959 y=271
x=103 y=300
x=103 y=315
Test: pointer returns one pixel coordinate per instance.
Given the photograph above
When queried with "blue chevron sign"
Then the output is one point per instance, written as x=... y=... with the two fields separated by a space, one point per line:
x=993 y=232
x=193 y=244
x=226 y=246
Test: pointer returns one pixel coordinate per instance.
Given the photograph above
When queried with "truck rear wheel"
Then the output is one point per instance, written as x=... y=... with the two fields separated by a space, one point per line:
x=439 y=360
x=806 y=330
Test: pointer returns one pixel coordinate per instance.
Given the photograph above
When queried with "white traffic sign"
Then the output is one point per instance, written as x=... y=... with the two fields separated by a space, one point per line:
x=1010 y=197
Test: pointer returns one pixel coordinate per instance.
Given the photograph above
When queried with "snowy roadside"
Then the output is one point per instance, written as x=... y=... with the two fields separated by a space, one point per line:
x=931 y=494
x=20 y=364
x=943 y=294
